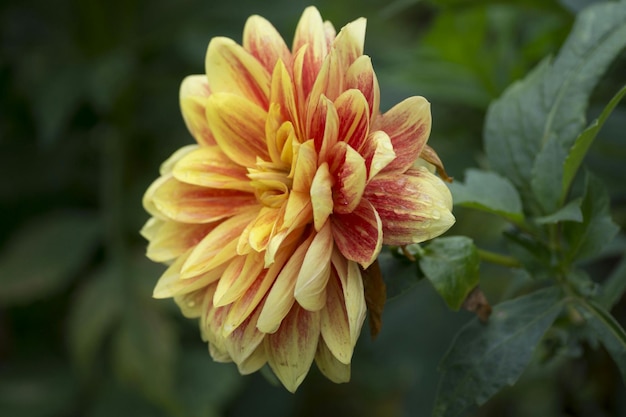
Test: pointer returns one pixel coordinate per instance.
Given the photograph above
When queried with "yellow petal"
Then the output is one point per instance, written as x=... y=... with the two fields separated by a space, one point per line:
x=297 y=214
x=334 y=322
x=209 y=167
x=263 y=41
x=280 y=298
x=148 y=198
x=329 y=365
x=310 y=289
x=408 y=126
x=349 y=43
x=174 y=238
x=304 y=167
x=283 y=94
x=194 y=91
x=353 y=293
x=237 y=278
x=347 y=167
x=151 y=227
x=190 y=304
x=170 y=283
x=413 y=207
x=378 y=153
x=238 y=126
x=218 y=246
x=194 y=204
x=291 y=350
x=232 y=69
x=254 y=362
x=243 y=341
x=322 y=196
x=257 y=234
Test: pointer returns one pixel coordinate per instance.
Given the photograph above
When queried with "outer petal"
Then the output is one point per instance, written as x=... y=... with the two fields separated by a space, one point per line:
x=280 y=298
x=413 y=207
x=429 y=155
x=334 y=322
x=190 y=304
x=239 y=128
x=310 y=290
x=167 y=166
x=193 y=204
x=329 y=365
x=170 y=283
x=408 y=126
x=243 y=341
x=194 y=91
x=209 y=167
x=291 y=350
x=349 y=42
x=174 y=238
x=353 y=293
x=263 y=41
x=218 y=246
x=358 y=235
x=361 y=76
x=254 y=362
x=237 y=278
x=232 y=69
x=347 y=167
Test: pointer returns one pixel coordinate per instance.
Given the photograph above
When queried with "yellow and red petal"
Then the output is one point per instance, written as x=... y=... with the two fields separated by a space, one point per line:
x=291 y=350
x=347 y=168
x=322 y=126
x=219 y=246
x=310 y=289
x=378 y=153
x=353 y=112
x=243 y=341
x=358 y=235
x=362 y=77
x=254 y=362
x=298 y=213
x=408 y=126
x=304 y=167
x=174 y=238
x=232 y=69
x=238 y=126
x=349 y=42
x=311 y=35
x=208 y=166
x=170 y=283
x=257 y=234
x=414 y=207
x=194 y=91
x=239 y=275
x=322 y=196
x=282 y=94
x=194 y=204
x=329 y=365
x=351 y=280
x=429 y=155
x=262 y=40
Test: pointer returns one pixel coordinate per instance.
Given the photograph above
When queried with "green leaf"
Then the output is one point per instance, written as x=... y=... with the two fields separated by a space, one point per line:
x=549 y=104
x=399 y=273
x=484 y=358
x=578 y=151
x=570 y=212
x=451 y=264
x=547 y=175
x=614 y=286
x=95 y=310
x=218 y=382
x=608 y=330
x=145 y=351
x=488 y=191
x=43 y=256
x=597 y=229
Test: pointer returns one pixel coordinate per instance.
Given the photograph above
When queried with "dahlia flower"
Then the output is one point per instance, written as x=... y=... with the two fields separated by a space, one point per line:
x=294 y=183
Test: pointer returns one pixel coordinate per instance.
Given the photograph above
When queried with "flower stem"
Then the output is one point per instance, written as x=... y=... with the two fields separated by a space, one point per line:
x=498 y=259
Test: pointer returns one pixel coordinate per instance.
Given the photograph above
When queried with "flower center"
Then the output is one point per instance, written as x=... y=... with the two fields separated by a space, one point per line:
x=271 y=184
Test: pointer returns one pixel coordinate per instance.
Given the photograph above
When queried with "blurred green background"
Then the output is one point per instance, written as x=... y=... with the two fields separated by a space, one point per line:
x=89 y=110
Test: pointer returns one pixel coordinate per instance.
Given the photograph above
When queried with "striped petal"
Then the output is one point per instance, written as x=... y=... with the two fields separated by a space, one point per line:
x=237 y=278
x=232 y=69
x=361 y=76
x=322 y=196
x=413 y=207
x=194 y=91
x=349 y=42
x=323 y=126
x=239 y=128
x=193 y=204
x=218 y=246
x=347 y=168
x=310 y=289
x=408 y=126
x=243 y=341
x=209 y=167
x=353 y=293
x=378 y=153
x=358 y=235
x=353 y=112
x=262 y=40
x=311 y=35
x=170 y=283
x=174 y=238
x=282 y=94
x=291 y=350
